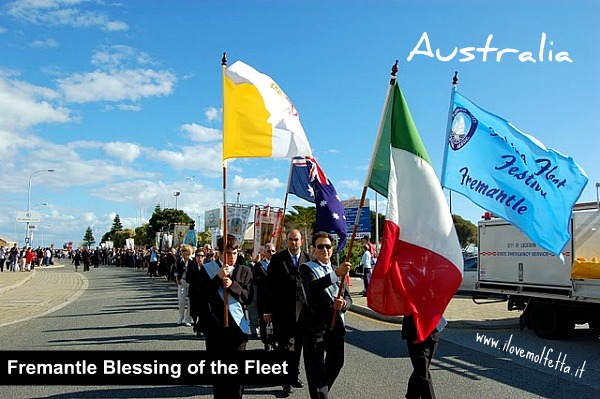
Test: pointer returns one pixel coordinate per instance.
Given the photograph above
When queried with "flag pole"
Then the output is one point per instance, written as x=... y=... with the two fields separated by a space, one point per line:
x=449 y=126
x=225 y=293
x=285 y=201
x=366 y=185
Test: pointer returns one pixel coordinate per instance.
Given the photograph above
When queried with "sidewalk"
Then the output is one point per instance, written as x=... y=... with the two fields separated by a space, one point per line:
x=462 y=312
x=25 y=295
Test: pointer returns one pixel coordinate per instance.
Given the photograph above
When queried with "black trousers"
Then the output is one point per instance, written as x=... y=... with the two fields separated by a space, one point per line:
x=292 y=344
x=323 y=360
x=420 y=384
x=229 y=339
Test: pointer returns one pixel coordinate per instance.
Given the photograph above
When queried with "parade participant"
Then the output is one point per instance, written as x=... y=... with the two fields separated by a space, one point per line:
x=198 y=303
x=323 y=348
x=365 y=262
x=260 y=280
x=420 y=384
x=215 y=278
x=284 y=300
x=180 y=275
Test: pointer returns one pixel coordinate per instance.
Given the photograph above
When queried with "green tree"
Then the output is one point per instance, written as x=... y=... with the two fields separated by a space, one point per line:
x=163 y=220
x=204 y=237
x=144 y=235
x=466 y=231
x=89 y=237
x=116 y=226
x=120 y=237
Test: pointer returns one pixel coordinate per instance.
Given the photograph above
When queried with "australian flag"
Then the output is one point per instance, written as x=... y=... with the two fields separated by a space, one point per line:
x=308 y=181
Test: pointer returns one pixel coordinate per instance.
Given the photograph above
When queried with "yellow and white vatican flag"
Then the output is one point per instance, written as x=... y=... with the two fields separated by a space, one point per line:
x=259 y=120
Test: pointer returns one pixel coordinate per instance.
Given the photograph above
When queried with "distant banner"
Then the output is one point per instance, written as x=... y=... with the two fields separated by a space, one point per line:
x=511 y=174
x=237 y=220
x=130 y=243
x=212 y=219
x=179 y=232
x=267 y=223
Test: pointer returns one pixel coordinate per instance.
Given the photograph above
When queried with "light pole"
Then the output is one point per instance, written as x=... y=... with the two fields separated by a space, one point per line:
x=597 y=197
x=176 y=194
x=29 y=201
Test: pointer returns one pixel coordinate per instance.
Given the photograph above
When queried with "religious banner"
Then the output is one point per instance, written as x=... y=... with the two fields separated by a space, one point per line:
x=267 y=223
x=130 y=243
x=179 y=232
x=237 y=220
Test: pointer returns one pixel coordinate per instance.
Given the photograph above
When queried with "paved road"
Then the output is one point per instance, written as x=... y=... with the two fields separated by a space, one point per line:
x=122 y=309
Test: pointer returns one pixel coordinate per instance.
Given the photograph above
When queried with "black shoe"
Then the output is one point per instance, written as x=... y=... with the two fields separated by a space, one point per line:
x=298 y=383
x=287 y=391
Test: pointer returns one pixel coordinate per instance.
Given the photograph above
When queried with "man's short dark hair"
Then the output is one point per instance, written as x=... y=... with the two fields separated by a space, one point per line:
x=321 y=234
x=232 y=243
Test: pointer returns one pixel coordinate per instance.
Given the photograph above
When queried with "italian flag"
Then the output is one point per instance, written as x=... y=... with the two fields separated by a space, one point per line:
x=420 y=264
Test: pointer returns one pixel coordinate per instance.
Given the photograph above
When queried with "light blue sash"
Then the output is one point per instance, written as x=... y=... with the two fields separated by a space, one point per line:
x=235 y=308
x=333 y=289
x=264 y=264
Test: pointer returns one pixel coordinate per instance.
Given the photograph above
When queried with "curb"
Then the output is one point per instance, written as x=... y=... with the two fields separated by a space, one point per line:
x=458 y=324
x=20 y=283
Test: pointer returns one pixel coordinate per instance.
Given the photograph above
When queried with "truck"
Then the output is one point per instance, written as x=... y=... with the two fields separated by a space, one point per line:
x=553 y=293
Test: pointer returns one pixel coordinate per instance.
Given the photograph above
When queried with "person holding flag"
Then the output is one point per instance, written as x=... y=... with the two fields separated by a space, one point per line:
x=323 y=348
x=216 y=278
x=420 y=264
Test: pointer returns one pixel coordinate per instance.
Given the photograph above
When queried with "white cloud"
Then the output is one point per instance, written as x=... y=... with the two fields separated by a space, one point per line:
x=62 y=13
x=253 y=187
x=201 y=134
x=24 y=105
x=212 y=114
x=129 y=107
x=127 y=152
x=332 y=151
x=349 y=184
x=47 y=43
x=131 y=84
x=119 y=56
x=202 y=159
x=88 y=217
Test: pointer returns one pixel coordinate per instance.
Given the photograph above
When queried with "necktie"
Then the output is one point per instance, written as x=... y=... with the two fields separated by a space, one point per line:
x=295 y=258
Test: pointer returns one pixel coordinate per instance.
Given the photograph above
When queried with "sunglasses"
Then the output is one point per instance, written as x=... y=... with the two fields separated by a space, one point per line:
x=326 y=246
x=199 y=255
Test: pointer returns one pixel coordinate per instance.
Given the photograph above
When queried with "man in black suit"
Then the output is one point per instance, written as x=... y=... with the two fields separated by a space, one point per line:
x=420 y=384
x=323 y=347
x=216 y=278
x=284 y=300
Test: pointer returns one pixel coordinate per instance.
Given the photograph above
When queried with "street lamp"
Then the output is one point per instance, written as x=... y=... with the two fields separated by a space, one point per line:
x=29 y=200
x=176 y=194
x=597 y=197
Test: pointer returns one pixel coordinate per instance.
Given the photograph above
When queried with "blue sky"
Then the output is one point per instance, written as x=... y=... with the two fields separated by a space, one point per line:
x=123 y=99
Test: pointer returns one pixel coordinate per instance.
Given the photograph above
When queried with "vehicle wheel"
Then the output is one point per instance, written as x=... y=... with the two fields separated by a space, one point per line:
x=550 y=322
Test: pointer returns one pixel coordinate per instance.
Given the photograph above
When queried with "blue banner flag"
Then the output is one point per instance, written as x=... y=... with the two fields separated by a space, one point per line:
x=511 y=174
x=308 y=181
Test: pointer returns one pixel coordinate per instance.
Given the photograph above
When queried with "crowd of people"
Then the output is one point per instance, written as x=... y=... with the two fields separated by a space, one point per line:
x=286 y=298
x=26 y=259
